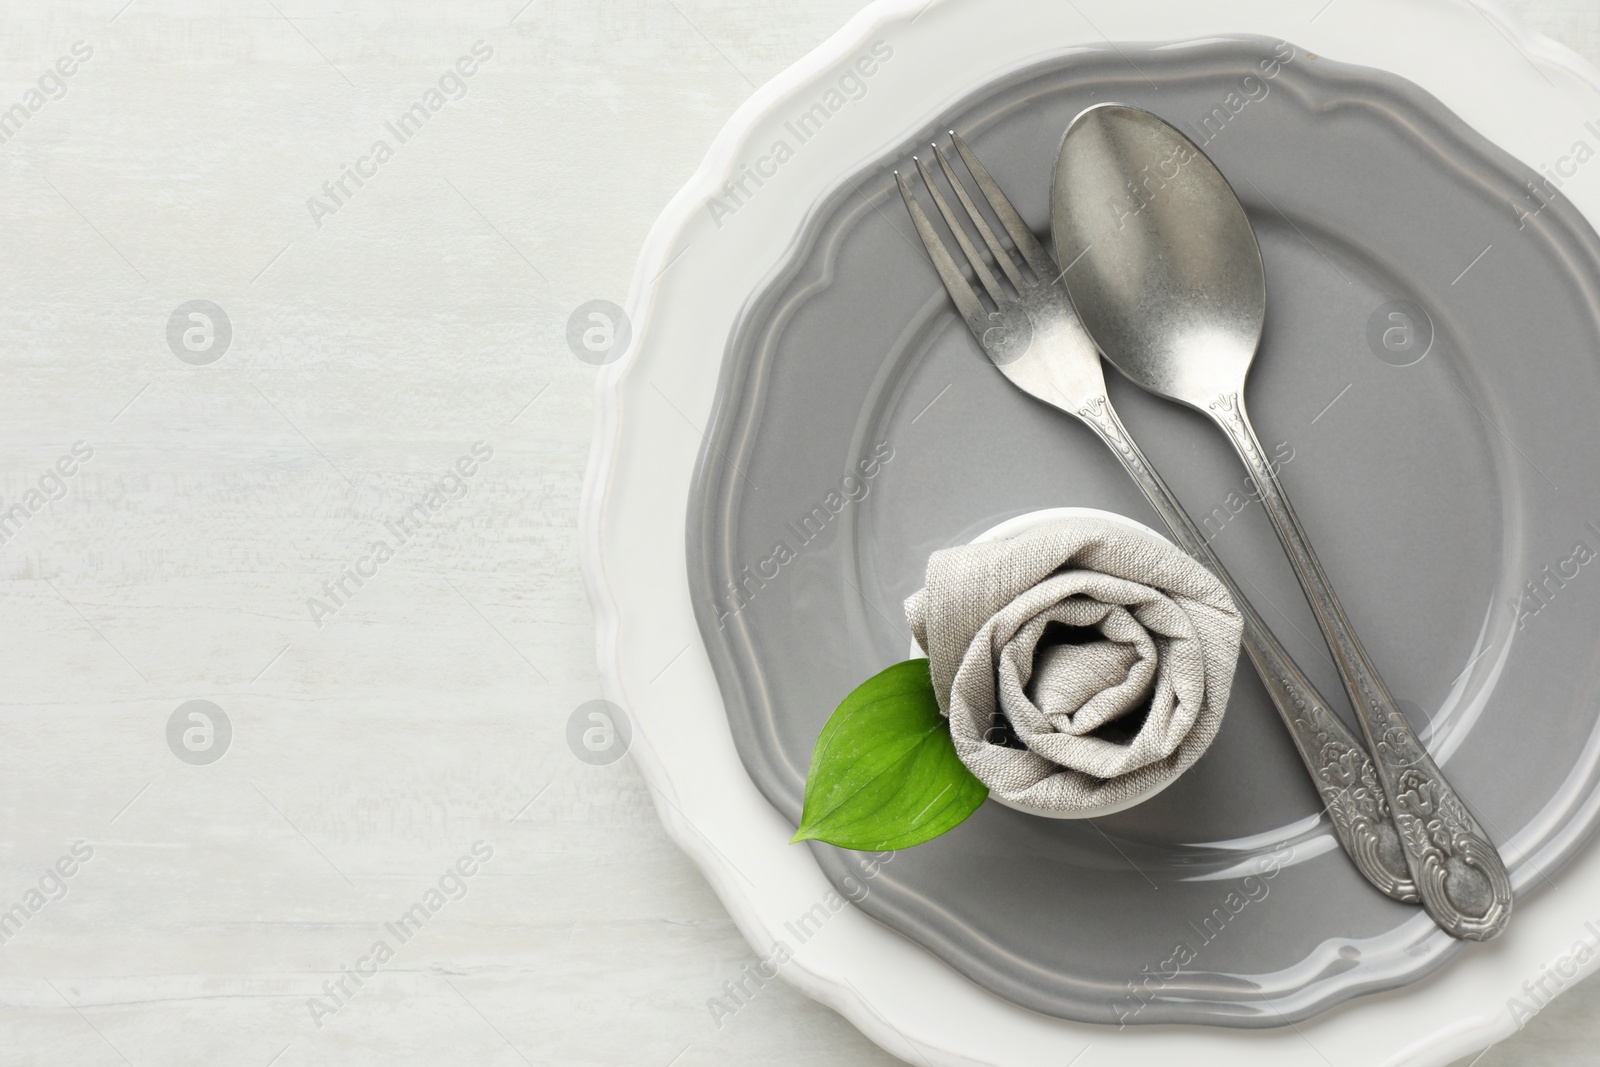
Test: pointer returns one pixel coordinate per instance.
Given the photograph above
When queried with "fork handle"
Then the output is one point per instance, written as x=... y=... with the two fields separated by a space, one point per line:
x=1338 y=764
x=1459 y=873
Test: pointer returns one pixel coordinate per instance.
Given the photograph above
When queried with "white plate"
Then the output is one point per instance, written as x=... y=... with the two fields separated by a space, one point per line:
x=711 y=248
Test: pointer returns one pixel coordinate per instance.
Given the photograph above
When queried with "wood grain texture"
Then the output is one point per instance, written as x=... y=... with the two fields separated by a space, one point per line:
x=371 y=348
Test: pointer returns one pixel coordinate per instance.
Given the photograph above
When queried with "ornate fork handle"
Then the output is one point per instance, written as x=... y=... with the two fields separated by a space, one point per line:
x=1459 y=874
x=1339 y=765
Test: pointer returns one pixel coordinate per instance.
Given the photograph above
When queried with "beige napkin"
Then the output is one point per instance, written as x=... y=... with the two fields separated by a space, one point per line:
x=1152 y=629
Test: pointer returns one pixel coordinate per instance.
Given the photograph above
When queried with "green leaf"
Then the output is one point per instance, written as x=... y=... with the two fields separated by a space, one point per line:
x=885 y=773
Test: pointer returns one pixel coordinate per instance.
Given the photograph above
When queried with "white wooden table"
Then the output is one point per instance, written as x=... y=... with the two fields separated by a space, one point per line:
x=392 y=722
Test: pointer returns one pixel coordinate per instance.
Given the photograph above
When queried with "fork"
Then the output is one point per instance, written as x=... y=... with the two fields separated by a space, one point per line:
x=1030 y=331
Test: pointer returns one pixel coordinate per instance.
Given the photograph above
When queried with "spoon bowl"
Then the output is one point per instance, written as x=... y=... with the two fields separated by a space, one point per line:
x=1167 y=275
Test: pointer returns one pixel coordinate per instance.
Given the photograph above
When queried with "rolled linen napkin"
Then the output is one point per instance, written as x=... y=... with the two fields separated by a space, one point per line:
x=1111 y=704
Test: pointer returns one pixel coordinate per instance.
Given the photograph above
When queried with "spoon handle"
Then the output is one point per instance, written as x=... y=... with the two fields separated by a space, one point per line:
x=1338 y=764
x=1462 y=880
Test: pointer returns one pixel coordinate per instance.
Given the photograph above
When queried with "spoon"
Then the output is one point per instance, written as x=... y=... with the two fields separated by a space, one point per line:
x=1167 y=277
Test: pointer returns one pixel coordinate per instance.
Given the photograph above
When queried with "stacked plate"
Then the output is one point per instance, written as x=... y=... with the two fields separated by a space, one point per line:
x=1427 y=381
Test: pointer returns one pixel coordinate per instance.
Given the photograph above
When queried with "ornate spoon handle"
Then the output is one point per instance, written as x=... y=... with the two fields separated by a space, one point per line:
x=1339 y=765
x=1459 y=874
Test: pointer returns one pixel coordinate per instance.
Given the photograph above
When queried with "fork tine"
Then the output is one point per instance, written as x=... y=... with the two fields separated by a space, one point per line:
x=1001 y=255
x=985 y=275
x=955 y=282
x=1026 y=242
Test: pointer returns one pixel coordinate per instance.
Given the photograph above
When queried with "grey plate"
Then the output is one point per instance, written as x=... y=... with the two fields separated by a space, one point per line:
x=1434 y=491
